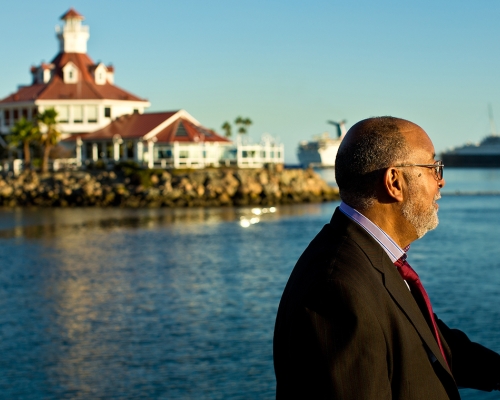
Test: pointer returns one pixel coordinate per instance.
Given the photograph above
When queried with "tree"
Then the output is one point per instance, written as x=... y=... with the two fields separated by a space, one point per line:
x=243 y=124
x=49 y=134
x=226 y=126
x=24 y=132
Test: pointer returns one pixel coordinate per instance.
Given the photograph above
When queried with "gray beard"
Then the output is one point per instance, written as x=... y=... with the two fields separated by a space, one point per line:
x=423 y=220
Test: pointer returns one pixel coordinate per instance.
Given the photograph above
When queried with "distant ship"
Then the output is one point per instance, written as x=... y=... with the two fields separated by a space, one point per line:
x=483 y=155
x=322 y=150
x=472 y=155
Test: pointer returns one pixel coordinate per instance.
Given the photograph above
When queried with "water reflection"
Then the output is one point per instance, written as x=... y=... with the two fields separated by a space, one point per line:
x=45 y=223
x=254 y=218
x=179 y=304
x=102 y=303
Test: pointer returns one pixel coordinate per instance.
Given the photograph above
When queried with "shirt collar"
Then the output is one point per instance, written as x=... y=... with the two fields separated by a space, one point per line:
x=391 y=248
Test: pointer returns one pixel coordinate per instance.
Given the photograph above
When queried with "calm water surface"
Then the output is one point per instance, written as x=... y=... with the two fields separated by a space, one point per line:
x=180 y=304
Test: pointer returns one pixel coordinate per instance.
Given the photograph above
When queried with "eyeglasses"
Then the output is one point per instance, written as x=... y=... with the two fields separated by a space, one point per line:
x=437 y=166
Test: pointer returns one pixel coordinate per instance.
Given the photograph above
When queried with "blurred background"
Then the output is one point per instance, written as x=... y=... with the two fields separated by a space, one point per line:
x=290 y=66
x=180 y=303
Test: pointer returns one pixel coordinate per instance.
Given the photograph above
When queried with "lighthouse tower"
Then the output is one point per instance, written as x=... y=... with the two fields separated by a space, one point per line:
x=73 y=36
x=82 y=92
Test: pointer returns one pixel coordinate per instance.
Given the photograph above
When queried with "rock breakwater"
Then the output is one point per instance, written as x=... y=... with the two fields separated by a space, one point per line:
x=129 y=187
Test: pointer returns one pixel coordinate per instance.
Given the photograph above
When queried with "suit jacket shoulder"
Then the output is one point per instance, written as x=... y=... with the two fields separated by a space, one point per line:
x=347 y=326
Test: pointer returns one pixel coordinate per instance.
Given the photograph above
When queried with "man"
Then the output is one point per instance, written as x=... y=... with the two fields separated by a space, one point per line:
x=354 y=321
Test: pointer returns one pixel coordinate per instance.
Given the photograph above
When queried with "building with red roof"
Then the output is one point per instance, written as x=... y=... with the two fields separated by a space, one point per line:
x=174 y=139
x=81 y=91
x=102 y=122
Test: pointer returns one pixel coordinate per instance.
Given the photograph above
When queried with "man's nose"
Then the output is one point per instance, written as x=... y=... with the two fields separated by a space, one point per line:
x=441 y=183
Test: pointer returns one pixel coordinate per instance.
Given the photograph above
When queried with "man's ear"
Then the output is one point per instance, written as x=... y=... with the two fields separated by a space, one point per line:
x=393 y=183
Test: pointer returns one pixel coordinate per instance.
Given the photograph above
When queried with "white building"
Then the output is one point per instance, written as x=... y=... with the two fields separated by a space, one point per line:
x=82 y=92
x=102 y=122
x=255 y=155
x=172 y=139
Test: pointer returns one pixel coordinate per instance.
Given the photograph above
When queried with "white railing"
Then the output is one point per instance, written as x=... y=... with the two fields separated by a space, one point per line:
x=64 y=164
x=16 y=166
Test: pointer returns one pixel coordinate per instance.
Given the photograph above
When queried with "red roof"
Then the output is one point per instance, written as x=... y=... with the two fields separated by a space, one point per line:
x=136 y=126
x=72 y=13
x=183 y=130
x=132 y=126
x=86 y=88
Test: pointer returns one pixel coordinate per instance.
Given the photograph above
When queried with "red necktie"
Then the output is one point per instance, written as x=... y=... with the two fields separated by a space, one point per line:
x=418 y=291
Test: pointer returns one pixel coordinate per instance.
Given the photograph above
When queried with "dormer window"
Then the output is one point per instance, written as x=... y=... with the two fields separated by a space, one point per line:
x=100 y=74
x=70 y=73
x=46 y=75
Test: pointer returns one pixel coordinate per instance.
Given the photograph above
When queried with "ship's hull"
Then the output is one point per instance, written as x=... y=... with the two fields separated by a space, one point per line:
x=483 y=155
x=471 y=160
x=318 y=156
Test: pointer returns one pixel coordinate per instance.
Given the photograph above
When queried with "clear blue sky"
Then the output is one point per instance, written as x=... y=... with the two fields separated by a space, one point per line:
x=288 y=65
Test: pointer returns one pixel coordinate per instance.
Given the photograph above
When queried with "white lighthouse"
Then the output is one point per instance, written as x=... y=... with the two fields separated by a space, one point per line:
x=72 y=36
x=81 y=91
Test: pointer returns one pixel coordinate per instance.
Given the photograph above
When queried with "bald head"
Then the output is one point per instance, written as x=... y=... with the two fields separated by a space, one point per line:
x=368 y=148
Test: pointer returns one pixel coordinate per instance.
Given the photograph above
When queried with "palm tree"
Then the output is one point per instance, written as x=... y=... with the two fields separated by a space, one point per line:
x=24 y=132
x=226 y=126
x=243 y=124
x=49 y=134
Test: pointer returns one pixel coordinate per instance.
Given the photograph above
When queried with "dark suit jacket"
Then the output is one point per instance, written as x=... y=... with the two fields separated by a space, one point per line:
x=349 y=328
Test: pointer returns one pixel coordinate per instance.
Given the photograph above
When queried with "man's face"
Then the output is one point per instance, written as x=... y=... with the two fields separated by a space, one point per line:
x=420 y=207
x=417 y=210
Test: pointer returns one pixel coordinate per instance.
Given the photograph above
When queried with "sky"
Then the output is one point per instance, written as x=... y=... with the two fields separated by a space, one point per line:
x=289 y=66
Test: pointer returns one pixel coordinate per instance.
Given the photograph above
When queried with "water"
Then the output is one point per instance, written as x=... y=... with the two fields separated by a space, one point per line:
x=461 y=181
x=180 y=304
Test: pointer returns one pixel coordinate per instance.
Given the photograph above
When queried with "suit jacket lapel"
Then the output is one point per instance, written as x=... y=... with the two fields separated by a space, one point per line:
x=396 y=286
x=403 y=297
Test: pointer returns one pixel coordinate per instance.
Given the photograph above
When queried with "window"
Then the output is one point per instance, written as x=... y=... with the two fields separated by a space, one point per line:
x=184 y=154
x=136 y=111
x=88 y=151
x=63 y=114
x=109 y=149
x=6 y=115
x=77 y=114
x=15 y=115
x=130 y=149
x=92 y=114
x=107 y=112
x=181 y=131
x=70 y=73
x=163 y=152
x=205 y=132
x=24 y=113
x=100 y=74
x=248 y=153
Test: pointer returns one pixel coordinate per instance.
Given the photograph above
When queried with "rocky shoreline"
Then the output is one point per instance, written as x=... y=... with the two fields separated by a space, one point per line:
x=134 y=188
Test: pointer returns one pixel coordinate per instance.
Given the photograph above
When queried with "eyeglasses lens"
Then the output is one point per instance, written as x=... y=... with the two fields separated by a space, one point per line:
x=439 y=170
